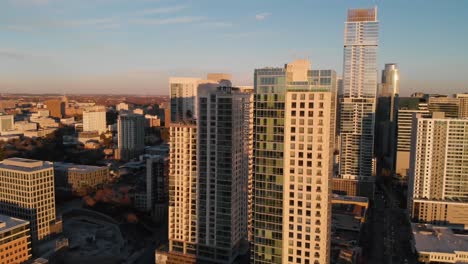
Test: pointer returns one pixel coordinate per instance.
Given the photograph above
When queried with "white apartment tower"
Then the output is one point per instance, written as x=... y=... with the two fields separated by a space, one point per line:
x=94 y=119
x=438 y=182
x=27 y=192
x=131 y=135
x=357 y=107
x=210 y=162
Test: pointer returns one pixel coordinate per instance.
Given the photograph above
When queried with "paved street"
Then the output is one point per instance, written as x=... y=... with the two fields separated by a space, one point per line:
x=388 y=237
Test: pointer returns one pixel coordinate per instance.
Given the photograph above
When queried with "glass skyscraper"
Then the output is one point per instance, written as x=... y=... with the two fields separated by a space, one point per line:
x=357 y=106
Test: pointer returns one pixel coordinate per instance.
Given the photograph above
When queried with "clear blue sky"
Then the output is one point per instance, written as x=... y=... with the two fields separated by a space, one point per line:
x=132 y=46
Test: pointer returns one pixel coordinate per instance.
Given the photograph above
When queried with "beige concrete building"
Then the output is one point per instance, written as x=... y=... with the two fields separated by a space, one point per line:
x=309 y=144
x=79 y=178
x=463 y=105
x=182 y=189
x=7 y=123
x=15 y=240
x=438 y=185
x=27 y=192
x=294 y=131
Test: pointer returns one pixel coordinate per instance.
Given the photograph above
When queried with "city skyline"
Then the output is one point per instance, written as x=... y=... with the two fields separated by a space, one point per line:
x=117 y=46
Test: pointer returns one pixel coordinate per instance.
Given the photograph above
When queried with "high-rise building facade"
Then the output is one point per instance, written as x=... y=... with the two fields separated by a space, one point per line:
x=222 y=149
x=27 y=192
x=407 y=108
x=131 y=135
x=183 y=93
x=357 y=107
x=15 y=240
x=94 y=119
x=210 y=162
x=183 y=192
x=386 y=120
x=294 y=122
x=438 y=186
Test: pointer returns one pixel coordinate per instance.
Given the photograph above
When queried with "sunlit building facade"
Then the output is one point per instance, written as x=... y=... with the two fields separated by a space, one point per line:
x=27 y=192
x=294 y=131
x=15 y=240
x=438 y=186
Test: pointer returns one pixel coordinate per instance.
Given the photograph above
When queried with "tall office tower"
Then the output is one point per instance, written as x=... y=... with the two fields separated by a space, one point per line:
x=463 y=105
x=223 y=168
x=15 y=240
x=94 y=119
x=407 y=108
x=131 y=135
x=56 y=107
x=386 y=120
x=294 y=123
x=442 y=103
x=7 y=122
x=357 y=107
x=438 y=184
x=27 y=192
x=183 y=93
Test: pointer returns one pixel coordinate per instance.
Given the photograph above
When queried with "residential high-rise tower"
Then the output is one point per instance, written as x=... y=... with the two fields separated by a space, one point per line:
x=131 y=135
x=438 y=182
x=294 y=131
x=209 y=173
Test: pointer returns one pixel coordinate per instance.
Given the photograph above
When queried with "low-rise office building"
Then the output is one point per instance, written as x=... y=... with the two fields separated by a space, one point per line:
x=78 y=178
x=15 y=240
x=439 y=244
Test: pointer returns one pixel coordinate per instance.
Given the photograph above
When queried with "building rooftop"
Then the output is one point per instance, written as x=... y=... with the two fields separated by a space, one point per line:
x=358 y=199
x=76 y=167
x=429 y=238
x=26 y=165
x=7 y=223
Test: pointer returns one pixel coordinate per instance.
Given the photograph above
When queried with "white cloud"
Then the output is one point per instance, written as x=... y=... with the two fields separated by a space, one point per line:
x=30 y=2
x=87 y=22
x=262 y=16
x=161 y=10
x=168 y=21
x=19 y=28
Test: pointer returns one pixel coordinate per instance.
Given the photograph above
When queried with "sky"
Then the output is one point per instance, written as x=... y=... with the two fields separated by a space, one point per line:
x=133 y=46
